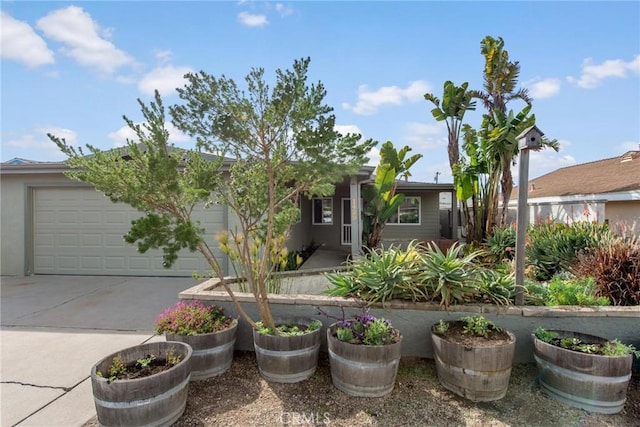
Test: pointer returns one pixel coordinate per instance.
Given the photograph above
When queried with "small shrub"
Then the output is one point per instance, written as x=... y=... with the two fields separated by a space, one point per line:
x=479 y=326
x=608 y=348
x=553 y=247
x=615 y=268
x=577 y=291
x=192 y=318
x=501 y=244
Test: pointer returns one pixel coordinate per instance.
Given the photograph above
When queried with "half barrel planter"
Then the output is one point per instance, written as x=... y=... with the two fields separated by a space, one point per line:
x=212 y=352
x=477 y=373
x=287 y=359
x=592 y=382
x=157 y=400
x=363 y=370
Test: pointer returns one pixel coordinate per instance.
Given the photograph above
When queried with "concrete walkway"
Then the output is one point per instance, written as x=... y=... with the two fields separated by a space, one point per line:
x=55 y=328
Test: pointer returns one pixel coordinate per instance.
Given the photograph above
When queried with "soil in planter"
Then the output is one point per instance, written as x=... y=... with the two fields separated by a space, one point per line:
x=136 y=370
x=456 y=334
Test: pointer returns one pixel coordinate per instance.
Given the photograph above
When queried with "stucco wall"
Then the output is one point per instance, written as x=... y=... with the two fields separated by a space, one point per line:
x=624 y=216
x=414 y=320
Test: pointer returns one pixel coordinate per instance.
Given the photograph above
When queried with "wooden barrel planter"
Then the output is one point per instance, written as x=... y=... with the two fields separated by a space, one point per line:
x=287 y=359
x=157 y=400
x=592 y=382
x=363 y=370
x=212 y=353
x=480 y=374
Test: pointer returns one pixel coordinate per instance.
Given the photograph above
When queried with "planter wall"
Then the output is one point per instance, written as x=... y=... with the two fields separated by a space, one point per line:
x=157 y=400
x=413 y=319
x=363 y=370
x=592 y=382
x=287 y=359
x=480 y=374
x=212 y=353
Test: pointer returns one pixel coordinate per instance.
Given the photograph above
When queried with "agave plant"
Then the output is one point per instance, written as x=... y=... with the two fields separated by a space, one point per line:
x=382 y=275
x=450 y=277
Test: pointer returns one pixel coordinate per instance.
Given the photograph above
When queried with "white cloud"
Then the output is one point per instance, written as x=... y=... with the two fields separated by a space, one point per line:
x=547 y=160
x=542 y=88
x=38 y=142
x=593 y=74
x=283 y=10
x=369 y=101
x=83 y=39
x=21 y=43
x=163 y=56
x=374 y=156
x=426 y=136
x=120 y=136
x=345 y=129
x=165 y=79
x=252 y=20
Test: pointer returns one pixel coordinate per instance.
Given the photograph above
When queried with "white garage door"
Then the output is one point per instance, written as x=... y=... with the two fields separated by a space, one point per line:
x=79 y=231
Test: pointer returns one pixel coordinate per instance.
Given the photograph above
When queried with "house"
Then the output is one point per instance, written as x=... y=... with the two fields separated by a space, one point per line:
x=602 y=191
x=53 y=225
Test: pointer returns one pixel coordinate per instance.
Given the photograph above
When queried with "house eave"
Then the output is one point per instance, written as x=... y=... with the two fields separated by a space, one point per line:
x=581 y=198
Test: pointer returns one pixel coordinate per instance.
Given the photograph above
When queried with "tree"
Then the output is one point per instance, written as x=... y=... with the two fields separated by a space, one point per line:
x=500 y=82
x=283 y=143
x=381 y=200
x=456 y=101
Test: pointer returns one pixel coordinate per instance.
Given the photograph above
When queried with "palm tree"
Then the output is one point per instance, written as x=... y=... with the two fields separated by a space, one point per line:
x=456 y=101
x=500 y=81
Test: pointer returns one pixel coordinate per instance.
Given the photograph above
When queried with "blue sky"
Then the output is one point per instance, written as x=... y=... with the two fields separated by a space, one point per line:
x=74 y=68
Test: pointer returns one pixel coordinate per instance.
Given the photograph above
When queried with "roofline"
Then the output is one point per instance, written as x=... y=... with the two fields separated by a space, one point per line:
x=405 y=186
x=59 y=167
x=581 y=198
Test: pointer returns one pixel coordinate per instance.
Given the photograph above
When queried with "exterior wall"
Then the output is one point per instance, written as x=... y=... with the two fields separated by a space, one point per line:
x=624 y=217
x=429 y=228
x=16 y=218
x=328 y=236
x=567 y=212
x=301 y=232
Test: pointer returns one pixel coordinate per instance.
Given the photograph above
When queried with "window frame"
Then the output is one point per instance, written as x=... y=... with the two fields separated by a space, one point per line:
x=313 y=211
x=419 y=198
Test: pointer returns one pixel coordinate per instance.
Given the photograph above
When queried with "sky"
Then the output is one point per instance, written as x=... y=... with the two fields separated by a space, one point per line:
x=74 y=69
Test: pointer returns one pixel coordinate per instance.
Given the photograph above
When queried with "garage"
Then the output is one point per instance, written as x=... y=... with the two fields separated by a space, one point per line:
x=79 y=231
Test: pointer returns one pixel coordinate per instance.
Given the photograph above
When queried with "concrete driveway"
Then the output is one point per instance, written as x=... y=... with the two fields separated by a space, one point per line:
x=54 y=328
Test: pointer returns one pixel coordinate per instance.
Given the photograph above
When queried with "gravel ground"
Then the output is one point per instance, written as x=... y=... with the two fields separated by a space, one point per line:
x=241 y=397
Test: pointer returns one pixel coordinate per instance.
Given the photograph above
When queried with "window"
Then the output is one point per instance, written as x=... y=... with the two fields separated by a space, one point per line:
x=322 y=211
x=408 y=212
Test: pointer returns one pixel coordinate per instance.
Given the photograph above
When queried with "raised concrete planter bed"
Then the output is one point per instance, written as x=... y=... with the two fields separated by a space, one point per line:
x=415 y=319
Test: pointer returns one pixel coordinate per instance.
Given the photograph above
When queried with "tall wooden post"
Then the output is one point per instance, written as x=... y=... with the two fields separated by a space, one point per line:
x=530 y=138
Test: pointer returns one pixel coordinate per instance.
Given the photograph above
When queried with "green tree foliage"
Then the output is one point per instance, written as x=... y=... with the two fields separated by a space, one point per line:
x=381 y=200
x=283 y=142
x=456 y=101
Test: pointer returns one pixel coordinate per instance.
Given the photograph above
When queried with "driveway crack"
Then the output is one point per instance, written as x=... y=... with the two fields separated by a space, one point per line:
x=65 y=389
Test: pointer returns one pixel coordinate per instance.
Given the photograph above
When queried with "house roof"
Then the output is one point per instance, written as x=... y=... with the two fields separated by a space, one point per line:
x=617 y=174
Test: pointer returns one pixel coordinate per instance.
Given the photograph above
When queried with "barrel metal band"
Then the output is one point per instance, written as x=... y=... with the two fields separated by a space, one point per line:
x=369 y=365
x=213 y=350
x=286 y=353
x=580 y=376
x=142 y=402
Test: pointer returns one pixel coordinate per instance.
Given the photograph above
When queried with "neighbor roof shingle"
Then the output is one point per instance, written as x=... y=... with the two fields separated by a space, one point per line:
x=602 y=176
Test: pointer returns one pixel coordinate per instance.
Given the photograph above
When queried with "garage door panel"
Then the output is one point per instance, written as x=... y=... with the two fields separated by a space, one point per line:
x=79 y=231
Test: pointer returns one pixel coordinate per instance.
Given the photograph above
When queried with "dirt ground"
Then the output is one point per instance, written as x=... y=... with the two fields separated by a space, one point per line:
x=240 y=397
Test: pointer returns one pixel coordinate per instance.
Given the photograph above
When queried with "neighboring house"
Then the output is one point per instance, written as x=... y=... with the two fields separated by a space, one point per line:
x=602 y=191
x=53 y=225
